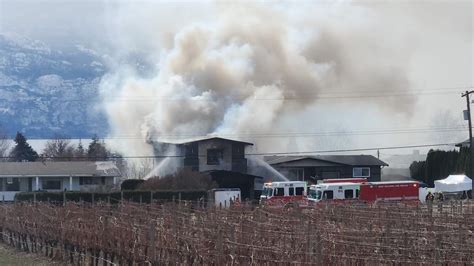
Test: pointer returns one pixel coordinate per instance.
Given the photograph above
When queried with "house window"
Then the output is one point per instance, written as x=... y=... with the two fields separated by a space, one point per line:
x=86 y=180
x=12 y=184
x=361 y=172
x=52 y=184
x=214 y=156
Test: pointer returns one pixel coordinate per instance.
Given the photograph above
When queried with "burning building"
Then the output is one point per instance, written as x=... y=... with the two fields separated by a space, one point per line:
x=223 y=159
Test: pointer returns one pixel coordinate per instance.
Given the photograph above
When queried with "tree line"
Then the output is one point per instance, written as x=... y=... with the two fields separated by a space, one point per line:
x=57 y=149
x=439 y=164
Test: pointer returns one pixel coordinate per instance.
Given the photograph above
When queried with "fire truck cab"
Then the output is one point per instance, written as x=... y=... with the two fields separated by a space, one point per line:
x=334 y=191
x=276 y=193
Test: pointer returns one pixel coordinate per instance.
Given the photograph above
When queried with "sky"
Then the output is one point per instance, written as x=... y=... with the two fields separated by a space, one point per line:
x=357 y=73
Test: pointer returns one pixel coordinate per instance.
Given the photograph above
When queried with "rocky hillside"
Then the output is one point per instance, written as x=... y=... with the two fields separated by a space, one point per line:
x=44 y=92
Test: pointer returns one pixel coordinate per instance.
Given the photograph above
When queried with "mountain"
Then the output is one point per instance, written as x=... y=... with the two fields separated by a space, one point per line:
x=44 y=91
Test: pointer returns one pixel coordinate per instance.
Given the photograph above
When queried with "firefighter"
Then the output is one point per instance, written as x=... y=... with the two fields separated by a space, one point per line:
x=429 y=198
x=440 y=196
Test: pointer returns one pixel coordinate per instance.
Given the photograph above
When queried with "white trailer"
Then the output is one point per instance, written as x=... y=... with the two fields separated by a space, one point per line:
x=224 y=197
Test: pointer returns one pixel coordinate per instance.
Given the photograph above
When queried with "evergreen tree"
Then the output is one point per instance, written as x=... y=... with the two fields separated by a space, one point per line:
x=439 y=164
x=22 y=150
x=79 y=152
x=463 y=164
x=97 y=150
x=417 y=171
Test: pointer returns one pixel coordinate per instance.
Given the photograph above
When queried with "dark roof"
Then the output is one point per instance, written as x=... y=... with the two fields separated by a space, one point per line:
x=48 y=168
x=199 y=139
x=353 y=160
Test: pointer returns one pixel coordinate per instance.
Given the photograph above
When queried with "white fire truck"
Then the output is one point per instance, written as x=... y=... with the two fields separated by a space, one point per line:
x=334 y=191
x=287 y=193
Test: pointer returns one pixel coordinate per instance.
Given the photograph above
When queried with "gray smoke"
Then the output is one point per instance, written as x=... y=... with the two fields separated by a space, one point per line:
x=253 y=64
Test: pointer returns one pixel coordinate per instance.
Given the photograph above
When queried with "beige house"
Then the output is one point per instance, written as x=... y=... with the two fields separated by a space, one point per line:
x=55 y=176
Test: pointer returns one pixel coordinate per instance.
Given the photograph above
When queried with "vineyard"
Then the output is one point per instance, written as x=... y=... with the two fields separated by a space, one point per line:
x=185 y=233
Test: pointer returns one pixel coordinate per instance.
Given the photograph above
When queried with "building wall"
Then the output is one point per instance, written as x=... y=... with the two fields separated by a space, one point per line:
x=239 y=162
x=65 y=185
x=23 y=184
x=318 y=173
x=224 y=164
x=29 y=184
x=191 y=155
x=196 y=155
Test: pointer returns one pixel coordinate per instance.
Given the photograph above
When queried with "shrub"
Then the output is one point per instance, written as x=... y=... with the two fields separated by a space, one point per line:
x=182 y=180
x=113 y=197
x=131 y=184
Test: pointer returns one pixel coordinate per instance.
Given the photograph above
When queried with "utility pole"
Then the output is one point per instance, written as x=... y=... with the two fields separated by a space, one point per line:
x=466 y=94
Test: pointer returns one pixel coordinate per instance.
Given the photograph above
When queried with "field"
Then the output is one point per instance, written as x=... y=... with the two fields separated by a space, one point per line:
x=184 y=233
x=11 y=257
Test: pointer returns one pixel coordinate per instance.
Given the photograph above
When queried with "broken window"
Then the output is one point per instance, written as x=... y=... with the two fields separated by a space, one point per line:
x=214 y=156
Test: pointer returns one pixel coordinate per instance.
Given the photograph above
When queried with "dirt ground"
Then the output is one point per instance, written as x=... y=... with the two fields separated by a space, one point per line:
x=10 y=256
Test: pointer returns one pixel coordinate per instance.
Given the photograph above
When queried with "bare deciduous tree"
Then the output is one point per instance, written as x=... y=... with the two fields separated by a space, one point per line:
x=59 y=149
x=5 y=144
x=138 y=168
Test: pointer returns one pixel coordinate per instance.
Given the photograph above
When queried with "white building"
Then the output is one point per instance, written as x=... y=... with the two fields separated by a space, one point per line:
x=55 y=176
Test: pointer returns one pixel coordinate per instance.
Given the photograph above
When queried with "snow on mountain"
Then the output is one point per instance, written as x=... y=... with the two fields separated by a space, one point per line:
x=46 y=82
x=44 y=92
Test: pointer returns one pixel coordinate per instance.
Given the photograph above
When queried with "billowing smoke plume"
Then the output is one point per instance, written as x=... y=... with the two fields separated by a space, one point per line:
x=252 y=65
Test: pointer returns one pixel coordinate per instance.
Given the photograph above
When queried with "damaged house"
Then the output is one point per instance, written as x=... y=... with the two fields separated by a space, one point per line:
x=223 y=159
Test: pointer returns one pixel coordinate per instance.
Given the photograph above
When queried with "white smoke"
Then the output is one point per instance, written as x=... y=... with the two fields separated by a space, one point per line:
x=252 y=65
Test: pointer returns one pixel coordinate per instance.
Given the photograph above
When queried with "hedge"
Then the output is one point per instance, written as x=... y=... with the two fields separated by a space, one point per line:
x=113 y=197
x=131 y=184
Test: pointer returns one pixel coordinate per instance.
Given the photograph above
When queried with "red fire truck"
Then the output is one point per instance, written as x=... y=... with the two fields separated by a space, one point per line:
x=284 y=193
x=390 y=191
x=365 y=192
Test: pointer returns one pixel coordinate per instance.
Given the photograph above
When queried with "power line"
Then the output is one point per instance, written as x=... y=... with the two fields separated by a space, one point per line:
x=336 y=94
x=303 y=135
x=252 y=154
x=354 y=150
x=249 y=98
x=289 y=134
